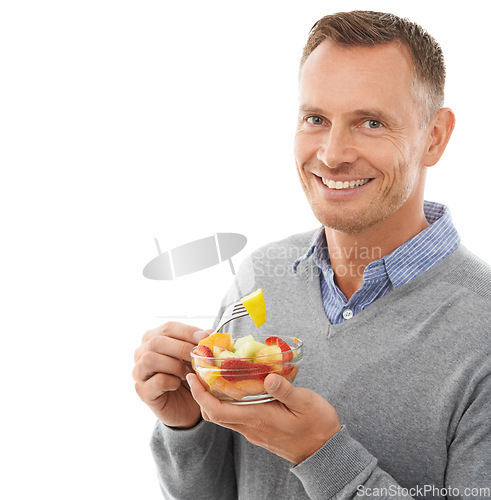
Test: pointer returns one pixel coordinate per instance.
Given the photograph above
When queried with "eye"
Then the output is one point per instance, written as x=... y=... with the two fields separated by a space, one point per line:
x=372 y=124
x=315 y=120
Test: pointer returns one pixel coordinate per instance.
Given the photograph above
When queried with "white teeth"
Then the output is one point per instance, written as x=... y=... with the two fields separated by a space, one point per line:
x=344 y=185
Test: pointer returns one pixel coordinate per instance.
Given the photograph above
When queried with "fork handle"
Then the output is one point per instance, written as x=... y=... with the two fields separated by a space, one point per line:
x=222 y=325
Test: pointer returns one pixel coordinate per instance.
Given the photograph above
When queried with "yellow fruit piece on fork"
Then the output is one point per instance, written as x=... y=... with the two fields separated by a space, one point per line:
x=254 y=303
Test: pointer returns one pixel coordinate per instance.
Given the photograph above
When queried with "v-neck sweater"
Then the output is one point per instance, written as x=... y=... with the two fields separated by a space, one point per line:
x=409 y=376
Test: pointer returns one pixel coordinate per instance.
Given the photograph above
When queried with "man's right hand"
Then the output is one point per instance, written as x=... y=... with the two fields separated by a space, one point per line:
x=161 y=364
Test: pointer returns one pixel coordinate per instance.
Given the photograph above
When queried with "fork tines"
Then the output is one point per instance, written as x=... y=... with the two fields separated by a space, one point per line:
x=239 y=308
x=238 y=311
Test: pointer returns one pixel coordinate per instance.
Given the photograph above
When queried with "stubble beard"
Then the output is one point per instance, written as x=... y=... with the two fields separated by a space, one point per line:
x=378 y=210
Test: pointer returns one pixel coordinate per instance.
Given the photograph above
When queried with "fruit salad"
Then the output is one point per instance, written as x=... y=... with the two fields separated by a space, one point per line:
x=234 y=371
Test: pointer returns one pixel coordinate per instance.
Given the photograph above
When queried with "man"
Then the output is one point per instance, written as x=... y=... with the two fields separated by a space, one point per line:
x=393 y=397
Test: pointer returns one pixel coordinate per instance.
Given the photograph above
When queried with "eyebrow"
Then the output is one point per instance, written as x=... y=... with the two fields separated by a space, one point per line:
x=305 y=108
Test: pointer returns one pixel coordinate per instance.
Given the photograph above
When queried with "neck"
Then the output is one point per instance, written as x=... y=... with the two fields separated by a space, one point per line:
x=350 y=254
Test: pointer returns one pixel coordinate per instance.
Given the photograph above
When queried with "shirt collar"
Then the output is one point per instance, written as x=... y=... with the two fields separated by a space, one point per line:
x=428 y=247
x=439 y=239
x=318 y=242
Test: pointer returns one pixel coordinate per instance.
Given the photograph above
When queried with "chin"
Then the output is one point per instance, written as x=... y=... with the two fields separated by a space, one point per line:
x=352 y=227
x=351 y=223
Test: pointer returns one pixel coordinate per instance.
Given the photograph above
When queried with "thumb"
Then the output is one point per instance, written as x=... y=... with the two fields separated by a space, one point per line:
x=201 y=334
x=281 y=389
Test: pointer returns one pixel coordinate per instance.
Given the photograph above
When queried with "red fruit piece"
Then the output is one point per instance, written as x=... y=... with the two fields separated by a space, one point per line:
x=285 y=348
x=204 y=351
x=234 y=369
x=287 y=369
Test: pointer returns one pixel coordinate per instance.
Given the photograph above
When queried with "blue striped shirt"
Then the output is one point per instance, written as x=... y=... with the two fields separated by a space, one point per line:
x=385 y=273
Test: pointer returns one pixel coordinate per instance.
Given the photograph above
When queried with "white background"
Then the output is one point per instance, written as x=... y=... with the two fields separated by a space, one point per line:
x=125 y=121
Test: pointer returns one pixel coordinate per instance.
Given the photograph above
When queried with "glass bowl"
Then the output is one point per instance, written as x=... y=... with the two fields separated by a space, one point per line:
x=241 y=380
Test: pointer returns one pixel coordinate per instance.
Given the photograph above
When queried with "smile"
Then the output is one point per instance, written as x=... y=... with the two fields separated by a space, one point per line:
x=344 y=184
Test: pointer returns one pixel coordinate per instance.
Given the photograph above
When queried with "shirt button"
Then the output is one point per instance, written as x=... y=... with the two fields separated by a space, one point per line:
x=347 y=314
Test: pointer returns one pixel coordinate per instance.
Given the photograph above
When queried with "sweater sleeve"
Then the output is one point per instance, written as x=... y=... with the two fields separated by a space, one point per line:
x=344 y=469
x=195 y=463
x=469 y=450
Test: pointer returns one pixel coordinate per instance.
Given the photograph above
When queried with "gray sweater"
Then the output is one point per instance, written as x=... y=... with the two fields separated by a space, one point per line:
x=409 y=376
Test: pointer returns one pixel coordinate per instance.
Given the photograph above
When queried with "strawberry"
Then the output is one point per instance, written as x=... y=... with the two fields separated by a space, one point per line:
x=203 y=351
x=234 y=369
x=285 y=348
x=287 y=369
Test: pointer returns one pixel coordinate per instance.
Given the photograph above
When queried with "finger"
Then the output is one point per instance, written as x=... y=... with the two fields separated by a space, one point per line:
x=151 y=363
x=226 y=415
x=173 y=329
x=202 y=397
x=221 y=413
x=156 y=386
x=282 y=390
x=169 y=346
x=209 y=404
x=197 y=389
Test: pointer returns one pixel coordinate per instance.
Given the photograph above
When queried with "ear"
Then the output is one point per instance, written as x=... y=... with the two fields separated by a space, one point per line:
x=439 y=131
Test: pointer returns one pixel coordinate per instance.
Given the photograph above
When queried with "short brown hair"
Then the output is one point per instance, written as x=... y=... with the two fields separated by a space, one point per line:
x=366 y=28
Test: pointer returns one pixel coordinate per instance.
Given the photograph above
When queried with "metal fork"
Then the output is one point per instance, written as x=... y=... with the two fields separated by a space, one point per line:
x=234 y=311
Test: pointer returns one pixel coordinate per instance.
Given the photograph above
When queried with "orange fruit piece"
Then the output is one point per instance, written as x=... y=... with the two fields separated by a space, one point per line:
x=223 y=340
x=227 y=388
x=250 y=387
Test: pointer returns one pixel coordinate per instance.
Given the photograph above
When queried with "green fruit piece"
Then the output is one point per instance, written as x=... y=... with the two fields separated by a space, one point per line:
x=249 y=348
x=241 y=340
x=226 y=354
x=223 y=354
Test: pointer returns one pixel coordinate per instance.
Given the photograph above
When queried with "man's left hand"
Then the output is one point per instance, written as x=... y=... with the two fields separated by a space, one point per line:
x=294 y=426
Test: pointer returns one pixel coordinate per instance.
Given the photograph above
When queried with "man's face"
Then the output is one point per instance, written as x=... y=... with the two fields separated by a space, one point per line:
x=360 y=128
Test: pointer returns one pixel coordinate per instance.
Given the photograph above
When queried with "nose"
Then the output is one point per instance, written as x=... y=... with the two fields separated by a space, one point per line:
x=337 y=148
